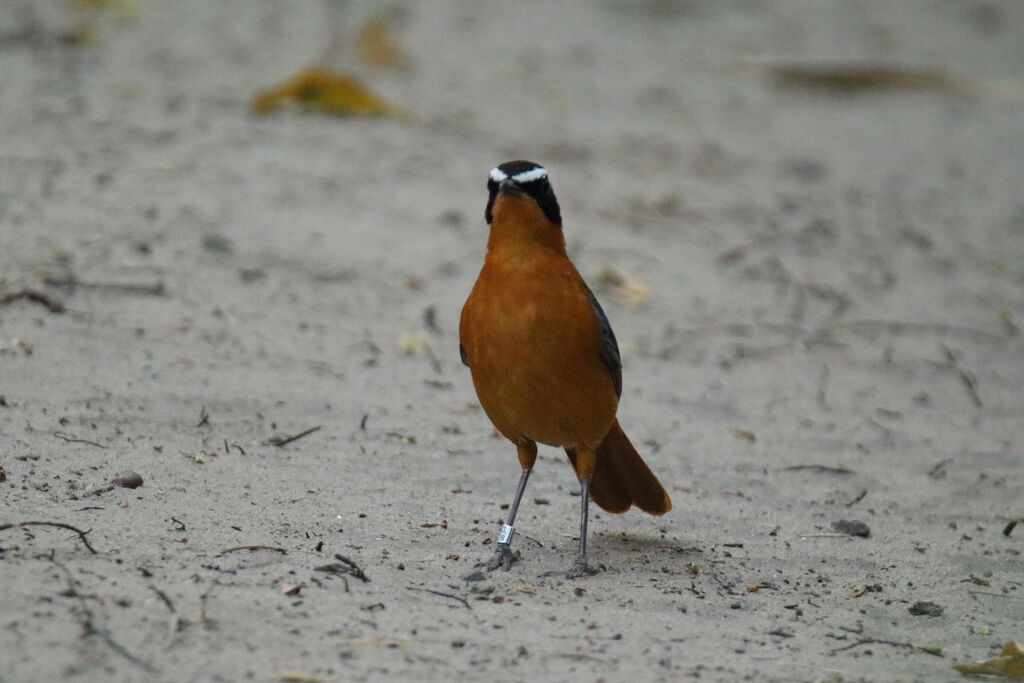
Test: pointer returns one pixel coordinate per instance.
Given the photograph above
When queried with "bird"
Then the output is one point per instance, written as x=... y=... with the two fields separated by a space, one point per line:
x=544 y=360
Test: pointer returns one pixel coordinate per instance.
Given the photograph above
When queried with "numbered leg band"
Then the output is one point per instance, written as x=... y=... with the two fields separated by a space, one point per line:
x=505 y=535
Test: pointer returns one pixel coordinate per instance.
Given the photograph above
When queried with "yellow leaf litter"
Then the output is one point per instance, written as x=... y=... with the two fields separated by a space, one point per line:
x=631 y=292
x=321 y=89
x=1010 y=663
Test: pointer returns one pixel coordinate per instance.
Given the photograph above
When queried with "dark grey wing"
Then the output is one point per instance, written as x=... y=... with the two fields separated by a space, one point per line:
x=462 y=352
x=609 y=347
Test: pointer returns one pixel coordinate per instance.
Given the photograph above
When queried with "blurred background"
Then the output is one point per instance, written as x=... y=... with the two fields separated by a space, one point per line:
x=808 y=154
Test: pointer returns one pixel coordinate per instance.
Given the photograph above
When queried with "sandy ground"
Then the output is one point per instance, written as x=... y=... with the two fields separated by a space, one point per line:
x=833 y=332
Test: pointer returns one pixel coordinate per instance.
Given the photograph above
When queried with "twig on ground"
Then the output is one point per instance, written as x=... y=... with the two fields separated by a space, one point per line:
x=90 y=627
x=823 y=535
x=228 y=447
x=430 y=320
x=156 y=289
x=443 y=595
x=531 y=538
x=879 y=641
x=781 y=634
x=577 y=656
x=203 y=599
x=859 y=498
x=818 y=468
x=356 y=570
x=174 y=622
x=996 y=595
x=938 y=471
x=253 y=547
x=75 y=439
x=35 y=296
x=886 y=431
x=164 y=598
x=280 y=441
x=345 y=566
x=59 y=525
x=106 y=488
x=967 y=379
x=722 y=584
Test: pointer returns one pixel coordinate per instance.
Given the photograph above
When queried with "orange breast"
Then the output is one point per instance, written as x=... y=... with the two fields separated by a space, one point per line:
x=533 y=345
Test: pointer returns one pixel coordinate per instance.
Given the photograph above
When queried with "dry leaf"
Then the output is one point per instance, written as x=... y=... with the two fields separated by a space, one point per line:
x=381 y=641
x=529 y=590
x=415 y=343
x=1009 y=664
x=378 y=46
x=867 y=588
x=745 y=433
x=298 y=677
x=331 y=92
x=857 y=78
x=631 y=292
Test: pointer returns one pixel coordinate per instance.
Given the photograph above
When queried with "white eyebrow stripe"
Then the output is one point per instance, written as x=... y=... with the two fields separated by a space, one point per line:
x=531 y=175
x=497 y=175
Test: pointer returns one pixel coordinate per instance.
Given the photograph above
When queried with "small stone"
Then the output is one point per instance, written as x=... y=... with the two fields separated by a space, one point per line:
x=217 y=243
x=926 y=609
x=127 y=479
x=474 y=576
x=852 y=527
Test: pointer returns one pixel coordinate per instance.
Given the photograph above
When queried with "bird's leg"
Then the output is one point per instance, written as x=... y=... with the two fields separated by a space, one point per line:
x=503 y=555
x=585 y=461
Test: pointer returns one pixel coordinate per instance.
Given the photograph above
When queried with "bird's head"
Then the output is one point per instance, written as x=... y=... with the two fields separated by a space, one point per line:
x=522 y=181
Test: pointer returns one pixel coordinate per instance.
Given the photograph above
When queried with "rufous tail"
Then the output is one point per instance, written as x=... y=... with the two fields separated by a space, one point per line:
x=622 y=478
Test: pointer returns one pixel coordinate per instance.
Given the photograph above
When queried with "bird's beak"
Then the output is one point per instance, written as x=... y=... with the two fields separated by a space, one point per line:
x=511 y=187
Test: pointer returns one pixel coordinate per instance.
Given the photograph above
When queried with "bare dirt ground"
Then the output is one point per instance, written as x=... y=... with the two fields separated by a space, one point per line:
x=832 y=331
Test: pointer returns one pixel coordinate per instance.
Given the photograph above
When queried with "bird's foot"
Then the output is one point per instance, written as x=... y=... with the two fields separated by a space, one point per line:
x=580 y=568
x=503 y=557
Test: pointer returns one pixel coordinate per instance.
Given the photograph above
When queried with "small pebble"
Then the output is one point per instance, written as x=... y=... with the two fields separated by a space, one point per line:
x=927 y=609
x=127 y=479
